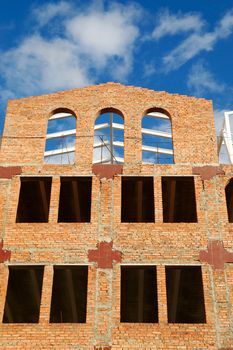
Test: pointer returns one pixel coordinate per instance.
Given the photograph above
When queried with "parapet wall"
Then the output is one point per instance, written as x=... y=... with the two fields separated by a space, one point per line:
x=192 y=120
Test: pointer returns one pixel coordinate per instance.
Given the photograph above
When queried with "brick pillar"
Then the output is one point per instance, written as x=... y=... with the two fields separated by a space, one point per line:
x=46 y=294
x=158 y=199
x=54 y=199
x=206 y=280
x=84 y=138
x=104 y=308
x=91 y=296
x=106 y=210
x=162 y=296
x=13 y=201
x=229 y=281
x=223 y=319
x=95 y=201
x=105 y=255
x=117 y=201
x=4 y=273
x=213 y=207
x=116 y=295
x=132 y=139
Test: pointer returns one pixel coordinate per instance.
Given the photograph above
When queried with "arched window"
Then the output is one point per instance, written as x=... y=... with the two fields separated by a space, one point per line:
x=109 y=138
x=157 y=145
x=229 y=199
x=60 y=138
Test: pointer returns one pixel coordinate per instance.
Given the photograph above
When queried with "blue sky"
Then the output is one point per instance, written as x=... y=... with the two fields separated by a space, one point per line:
x=178 y=46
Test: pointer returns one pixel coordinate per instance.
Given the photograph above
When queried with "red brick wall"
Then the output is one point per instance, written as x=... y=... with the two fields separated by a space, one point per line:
x=156 y=243
x=26 y=123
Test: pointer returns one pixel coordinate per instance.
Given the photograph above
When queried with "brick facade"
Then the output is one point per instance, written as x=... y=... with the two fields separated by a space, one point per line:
x=159 y=244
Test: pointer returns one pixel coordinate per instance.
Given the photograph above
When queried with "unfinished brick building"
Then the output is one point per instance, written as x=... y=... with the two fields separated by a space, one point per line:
x=120 y=250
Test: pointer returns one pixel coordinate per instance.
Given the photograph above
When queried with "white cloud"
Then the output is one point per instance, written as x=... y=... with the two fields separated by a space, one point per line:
x=201 y=80
x=94 y=42
x=45 y=13
x=171 y=24
x=189 y=48
x=225 y=26
x=105 y=36
x=148 y=70
x=197 y=42
x=38 y=64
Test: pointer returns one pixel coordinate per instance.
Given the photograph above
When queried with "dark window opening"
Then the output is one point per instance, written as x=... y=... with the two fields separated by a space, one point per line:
x=75 y=199
x=69 y=296
x=185 y=296
x=229 y=200
x=179 y=200
x=137 y=199
x=23 y=294
x=34 y=199
x=139 y=294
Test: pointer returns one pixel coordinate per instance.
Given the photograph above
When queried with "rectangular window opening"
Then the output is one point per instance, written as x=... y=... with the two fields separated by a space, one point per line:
x=75 y=199
x=69 y=295
x=139 y=294
x=137 y=199
x=23 y=297
x=179 y=200
x=185 y=296
x=229 y=200
x=34 y=199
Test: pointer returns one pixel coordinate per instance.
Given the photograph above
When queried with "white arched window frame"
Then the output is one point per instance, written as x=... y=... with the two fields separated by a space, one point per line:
x=60 y=139
x=157 y=143
x=109 y=138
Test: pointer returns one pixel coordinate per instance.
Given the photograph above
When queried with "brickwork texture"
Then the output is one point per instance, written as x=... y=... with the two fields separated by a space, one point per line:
x=105 y=244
